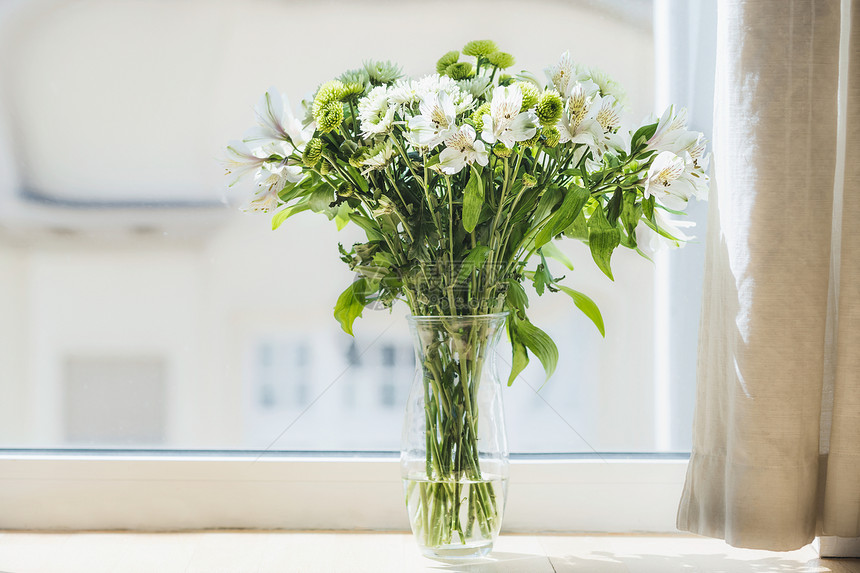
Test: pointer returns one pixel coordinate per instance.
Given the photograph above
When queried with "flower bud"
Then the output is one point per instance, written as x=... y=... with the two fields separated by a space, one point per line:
x=313 y=151
x=551 y=135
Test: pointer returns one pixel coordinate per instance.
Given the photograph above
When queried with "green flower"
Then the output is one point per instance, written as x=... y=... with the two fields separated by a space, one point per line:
x=532 y=141
x=355 y=82
x=501 y=151
x=480 y=48
x=501 y=59
x=529 y=181
x=549 y=107
x=313 y=151
x=478 y=116
x=459 y=71
x=530 y=94
x=551 y=135
x=447 y=60
x=382 y=72
x=324 y=168
x=330 y=117
x=329 y=92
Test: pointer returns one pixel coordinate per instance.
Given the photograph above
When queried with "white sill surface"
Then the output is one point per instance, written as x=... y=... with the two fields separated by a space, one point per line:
x=282 y=551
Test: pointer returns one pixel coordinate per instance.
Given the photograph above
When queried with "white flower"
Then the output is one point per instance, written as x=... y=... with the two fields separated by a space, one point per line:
x=374 y=113
x=241 y=160
x=461 y=149
x=650 y=241
x=669 y=181
x=606 y=85
x=276 y=123
x=669 y=129
x=505 y=123
x=563 y=74
x=474 y=86
x=577 y=124
x=381 y=156
x=404 y=93
x=265 y=201
x=606 y=114
x=435 y=121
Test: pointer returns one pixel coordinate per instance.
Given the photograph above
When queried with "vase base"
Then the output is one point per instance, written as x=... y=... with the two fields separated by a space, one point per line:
x=458 y=551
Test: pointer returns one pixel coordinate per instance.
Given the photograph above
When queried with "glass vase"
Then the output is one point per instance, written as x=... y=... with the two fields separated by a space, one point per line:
x=454 y=455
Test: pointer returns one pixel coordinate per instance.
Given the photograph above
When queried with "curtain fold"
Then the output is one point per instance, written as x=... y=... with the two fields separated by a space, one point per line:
x=762 y=472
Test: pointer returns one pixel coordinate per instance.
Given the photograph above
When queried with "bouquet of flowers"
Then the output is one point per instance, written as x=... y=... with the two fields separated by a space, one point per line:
x=461 y=181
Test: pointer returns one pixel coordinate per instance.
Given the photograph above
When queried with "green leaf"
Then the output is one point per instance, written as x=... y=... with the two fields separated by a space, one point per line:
x=630 y=215
x=320 y=198
x=285 y=214
x=642 y=135
x=569 y=210
x=578 y=229
x=602 y=240
x=587 y=306
x=648 y=208
x=520 y=356
x=371 y=228
x=473 y=260
x=473 y=200
x=342 y=217
x=350 y=303
x=548 y=200
x=539 y=343
x=553 y=252
x=516 y=298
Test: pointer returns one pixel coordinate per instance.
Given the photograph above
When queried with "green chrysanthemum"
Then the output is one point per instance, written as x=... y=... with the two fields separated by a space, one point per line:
x=480 y=48
x=345 y=190
x=329 y=92
x=505 y=80
x=532 y=141
x=358 y=156
x=325 y=168
x=330 y=117
x=501 y=59
x=500 y=150
x=446 y=60
x=549 y=107
x=355 y=82
x=529 y=181
x=313 y=151
x=382 y=72
x=459 y=71
x=530 y=94
x=478 y=116
x=551 y=135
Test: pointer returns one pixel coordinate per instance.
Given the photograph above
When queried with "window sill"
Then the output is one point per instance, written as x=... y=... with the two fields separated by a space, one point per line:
x=264 y=551
x=175 y=492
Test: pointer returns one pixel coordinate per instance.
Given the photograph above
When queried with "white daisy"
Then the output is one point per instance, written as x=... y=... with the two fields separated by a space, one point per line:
x=374 y=113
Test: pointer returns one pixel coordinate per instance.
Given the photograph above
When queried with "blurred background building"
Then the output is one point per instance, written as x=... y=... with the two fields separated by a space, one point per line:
x=140 y=309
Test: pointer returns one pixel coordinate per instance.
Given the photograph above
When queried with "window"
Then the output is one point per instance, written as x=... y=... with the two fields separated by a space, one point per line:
x=140 y=312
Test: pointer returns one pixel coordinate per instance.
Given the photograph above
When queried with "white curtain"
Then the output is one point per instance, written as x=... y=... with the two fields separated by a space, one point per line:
x=776 y=444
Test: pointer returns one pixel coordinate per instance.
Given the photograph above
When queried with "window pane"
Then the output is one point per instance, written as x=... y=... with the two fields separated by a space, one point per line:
x=137 y=310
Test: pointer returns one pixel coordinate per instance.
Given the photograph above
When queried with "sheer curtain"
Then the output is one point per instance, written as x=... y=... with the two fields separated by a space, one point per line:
x=776 y=444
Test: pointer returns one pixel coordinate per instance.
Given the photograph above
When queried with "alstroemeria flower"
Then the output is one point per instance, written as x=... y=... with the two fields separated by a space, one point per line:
x=276 y=123
x=462 y=149
x=669 y=181
x=669 y=129
x=505 y=123
x=435 y=121
x=241 y=160
x=577 y=124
